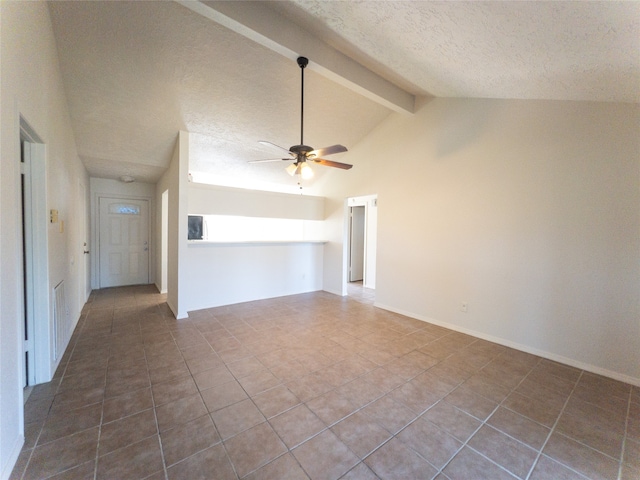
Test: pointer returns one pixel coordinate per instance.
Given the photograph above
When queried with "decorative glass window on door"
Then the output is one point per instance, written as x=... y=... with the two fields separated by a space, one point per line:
x=124 y=209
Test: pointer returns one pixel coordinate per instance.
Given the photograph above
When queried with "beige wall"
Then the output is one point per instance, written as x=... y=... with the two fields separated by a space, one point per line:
x=526 y=210
x=175 y=181
x=241 y=270
x=31 y=87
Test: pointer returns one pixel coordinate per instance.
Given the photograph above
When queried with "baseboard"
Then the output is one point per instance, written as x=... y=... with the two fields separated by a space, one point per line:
x=249 y=300
x=173 y=309
x=334 y=292
x=13 y=458
x=518 y=346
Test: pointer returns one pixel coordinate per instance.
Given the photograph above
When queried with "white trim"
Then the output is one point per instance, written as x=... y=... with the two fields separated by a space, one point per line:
x=35 y=155
x=367 y=201
x=518 y=346
x=12 y=459
x=334 y=292
x=84 y=267
x=345 y=248
x=28 y=304
x=162 y=253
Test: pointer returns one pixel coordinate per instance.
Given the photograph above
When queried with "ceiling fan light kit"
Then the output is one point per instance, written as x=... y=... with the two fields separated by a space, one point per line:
x=303 y=153
x=302 y=169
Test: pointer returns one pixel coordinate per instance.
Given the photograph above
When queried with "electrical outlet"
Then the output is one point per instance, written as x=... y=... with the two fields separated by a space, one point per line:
x=464 y=307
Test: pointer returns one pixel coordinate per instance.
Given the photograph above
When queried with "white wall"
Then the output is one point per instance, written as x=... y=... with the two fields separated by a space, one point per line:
x=227 y=273
x=216 y=200
x=31 y=86
x=175 y=181
x=103 y=187
x=224 y=274
x=526 y=210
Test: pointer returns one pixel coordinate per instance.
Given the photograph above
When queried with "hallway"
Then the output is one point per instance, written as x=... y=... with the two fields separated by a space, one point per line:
x=359 y=293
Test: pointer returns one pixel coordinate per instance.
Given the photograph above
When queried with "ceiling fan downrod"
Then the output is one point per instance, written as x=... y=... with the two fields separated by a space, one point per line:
x=302 y=63
x=304 y=153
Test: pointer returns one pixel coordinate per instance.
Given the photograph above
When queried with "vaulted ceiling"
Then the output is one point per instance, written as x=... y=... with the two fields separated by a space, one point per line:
x=135 y=73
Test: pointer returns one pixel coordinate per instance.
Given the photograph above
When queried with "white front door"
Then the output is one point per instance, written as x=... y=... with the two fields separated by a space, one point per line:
x=124 y=242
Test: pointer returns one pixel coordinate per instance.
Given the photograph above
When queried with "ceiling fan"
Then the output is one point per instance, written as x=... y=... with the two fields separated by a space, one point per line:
x=301 y=154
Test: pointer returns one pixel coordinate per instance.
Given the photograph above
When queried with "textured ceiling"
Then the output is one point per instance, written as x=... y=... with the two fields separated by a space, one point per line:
x=560 y=50
x=137 y=72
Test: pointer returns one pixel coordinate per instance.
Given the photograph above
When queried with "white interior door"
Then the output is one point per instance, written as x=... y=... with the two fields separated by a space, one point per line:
x=38 y=325
x=124 y=242
x=356 y=244
x=27 y=264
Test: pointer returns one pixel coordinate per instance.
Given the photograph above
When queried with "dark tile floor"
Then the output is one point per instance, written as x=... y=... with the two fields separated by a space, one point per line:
x=314 y=386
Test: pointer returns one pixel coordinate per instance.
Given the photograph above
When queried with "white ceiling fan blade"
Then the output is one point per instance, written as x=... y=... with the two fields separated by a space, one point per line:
x=264 y=160
x=264 y=142
x=321 y=152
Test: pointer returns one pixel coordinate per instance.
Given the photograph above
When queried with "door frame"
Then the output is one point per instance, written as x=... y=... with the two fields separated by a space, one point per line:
x=370 y=202
x=96 y=236
x=84 y=284
x=36 y=274
x=162 y=272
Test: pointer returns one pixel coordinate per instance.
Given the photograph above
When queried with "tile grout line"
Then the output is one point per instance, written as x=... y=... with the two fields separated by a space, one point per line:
x=209 y=414
x=463 y=444
x=624 y=438
x=156 y=424
x=155 y=414
x=288 y=450
x=327 y=427
x=484 y=422
x=553 y=428
x=394 y=435
x=106 y=371
x=442 y=399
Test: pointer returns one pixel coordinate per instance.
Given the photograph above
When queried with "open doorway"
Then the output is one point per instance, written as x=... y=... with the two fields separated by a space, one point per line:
x=360 y=265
